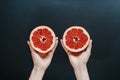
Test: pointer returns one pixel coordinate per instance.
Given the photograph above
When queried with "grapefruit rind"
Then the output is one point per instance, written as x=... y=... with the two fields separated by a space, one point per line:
x=38 y=49
x=79 y=49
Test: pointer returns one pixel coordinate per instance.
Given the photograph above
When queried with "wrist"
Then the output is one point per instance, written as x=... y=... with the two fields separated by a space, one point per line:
x=37 y=73
x=79 y=67
x=81 y=73
x=38 y=69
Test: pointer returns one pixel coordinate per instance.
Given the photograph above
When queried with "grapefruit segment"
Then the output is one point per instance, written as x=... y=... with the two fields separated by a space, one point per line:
x=42 y=39
x=76 y=39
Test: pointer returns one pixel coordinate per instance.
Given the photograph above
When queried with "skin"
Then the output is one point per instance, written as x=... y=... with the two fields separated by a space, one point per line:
x=41 y=62
x=78 y=61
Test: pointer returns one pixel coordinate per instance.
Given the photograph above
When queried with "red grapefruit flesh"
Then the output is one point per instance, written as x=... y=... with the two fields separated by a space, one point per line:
x=42 y=39
x=76 y=39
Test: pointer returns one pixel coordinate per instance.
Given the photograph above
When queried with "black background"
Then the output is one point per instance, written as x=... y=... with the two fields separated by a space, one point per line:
x=101 y=18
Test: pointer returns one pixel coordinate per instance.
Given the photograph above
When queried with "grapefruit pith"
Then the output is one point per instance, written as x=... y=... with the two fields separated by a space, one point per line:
x=42 y=39
x=76 y=39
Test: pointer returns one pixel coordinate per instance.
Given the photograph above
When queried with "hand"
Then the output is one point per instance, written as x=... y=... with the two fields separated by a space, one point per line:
x=80 y=59
x=41 y=61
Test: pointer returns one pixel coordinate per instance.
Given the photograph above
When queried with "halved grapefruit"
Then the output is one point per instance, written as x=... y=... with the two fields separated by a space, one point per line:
x=76 y=39
x=42 y=39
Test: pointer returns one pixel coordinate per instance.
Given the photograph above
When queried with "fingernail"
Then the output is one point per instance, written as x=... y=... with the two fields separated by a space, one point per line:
x=60 y=40
x=28 y=42
x=91 y=40
x=56 y=37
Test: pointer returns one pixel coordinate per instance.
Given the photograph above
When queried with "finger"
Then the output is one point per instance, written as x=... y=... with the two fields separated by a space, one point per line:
x=53 y=50
x=63 y=46
x=88 y=51
x=56 y=38
x=31 y=49
x=56 y=43
x=68 y=52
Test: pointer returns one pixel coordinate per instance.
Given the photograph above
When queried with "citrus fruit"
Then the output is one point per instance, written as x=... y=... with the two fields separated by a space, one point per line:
x=42 y=39
x=76 y=39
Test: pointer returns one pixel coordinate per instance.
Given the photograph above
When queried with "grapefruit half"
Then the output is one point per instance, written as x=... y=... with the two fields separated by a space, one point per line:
x=42 y=39
x=76 y=39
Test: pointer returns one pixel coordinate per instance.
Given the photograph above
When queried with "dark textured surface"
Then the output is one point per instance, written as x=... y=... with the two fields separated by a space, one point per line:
x=101 y=18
